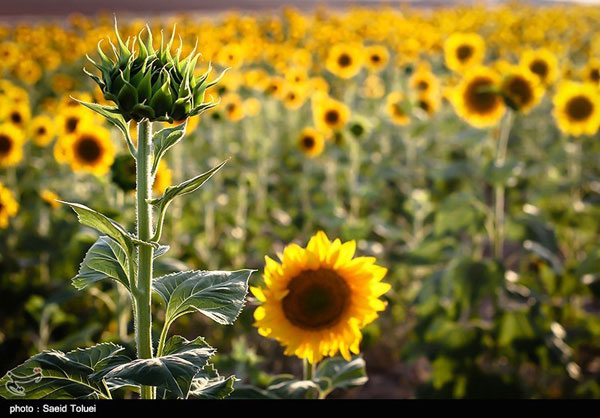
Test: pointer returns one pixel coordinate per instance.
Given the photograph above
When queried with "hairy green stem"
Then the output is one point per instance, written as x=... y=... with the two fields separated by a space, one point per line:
x=143 y=320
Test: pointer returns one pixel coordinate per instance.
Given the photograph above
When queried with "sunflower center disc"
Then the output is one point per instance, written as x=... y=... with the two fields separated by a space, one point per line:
x=478 y=97
x=464 y=52
x=520 y=90
x=316 y=300
x=5 y=144
x=308 y=142
x=88 y=149
x=332 y=116
x=540 y=68
x=72 y=124
x=579 y=108
x=344 y=60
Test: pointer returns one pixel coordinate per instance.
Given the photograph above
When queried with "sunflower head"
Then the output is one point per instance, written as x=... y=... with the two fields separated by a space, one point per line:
x=477 y=99
x=152 y=84
x=521 y=90
x=311 y=142
x=463 y=50
x=397 y=108
x=577 y=108
x=318 y=298
x=345 y=60
x=89 y=149
x=11 y=145
x=42 y=130
x=542 y=63
x=376 y=57
x=329 y=114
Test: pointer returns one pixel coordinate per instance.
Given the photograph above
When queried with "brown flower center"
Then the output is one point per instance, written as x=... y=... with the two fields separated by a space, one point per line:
x=6 y=144
x=16 y=117
x=595 y=75
x=344 y=60
x=540 y=68
x=519 y=90
x=88 y=149
x=332 y=116
x=308 y=142
x=41 y=130
x=464 y=52
x=376 y=59
x=398 y=110
x=478 y=97
x=422 y=85
x=317 y=299
x=579 y=108
x=71 y=124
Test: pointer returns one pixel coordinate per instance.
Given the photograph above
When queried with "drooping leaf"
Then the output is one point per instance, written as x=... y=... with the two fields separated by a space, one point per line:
x=220 y=295
x=56 y=375
x=282 y=387
x=173 y=371
x=186 y=187
x=164 y=139
x=93 y=219
x=104 y=259
x=343 y=374
x=207 y=384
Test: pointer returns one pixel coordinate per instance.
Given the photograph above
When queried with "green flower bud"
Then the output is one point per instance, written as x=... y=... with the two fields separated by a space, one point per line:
x=152 y=84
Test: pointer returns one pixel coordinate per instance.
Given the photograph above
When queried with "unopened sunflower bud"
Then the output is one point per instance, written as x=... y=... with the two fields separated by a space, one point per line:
x=152 y=84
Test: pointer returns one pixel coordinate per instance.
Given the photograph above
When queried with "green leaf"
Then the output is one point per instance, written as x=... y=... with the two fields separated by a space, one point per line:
x=286 y=387
x=173 y=371
x=220 y=295
x=343 y=374
x=163 y=140
x=186 y=187
x=56 y=375
x=211 y=388
x=93 y=219
x=104 y=259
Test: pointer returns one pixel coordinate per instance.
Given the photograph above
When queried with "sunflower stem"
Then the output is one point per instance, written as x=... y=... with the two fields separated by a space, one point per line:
x=308 y=370
x=500 y=189
x=143 y=320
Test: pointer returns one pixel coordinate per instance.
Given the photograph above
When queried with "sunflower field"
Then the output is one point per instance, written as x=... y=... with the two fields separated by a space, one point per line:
x=409 y=197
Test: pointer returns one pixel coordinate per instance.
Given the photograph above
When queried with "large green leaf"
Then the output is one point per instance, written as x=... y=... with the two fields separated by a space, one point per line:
x=174 y=371
x=282 y=387
x=56 y=375
x=164 y=139
x=104 y=259
x=220 y=295
x=343 y=374
x=93 y=219
x=207 y=384
x=186 y=187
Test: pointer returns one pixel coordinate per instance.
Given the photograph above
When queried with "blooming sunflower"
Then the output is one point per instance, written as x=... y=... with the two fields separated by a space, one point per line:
x=424 y=82
x=542 y=63
x=591 y=72
x=18 y=114
x=69 y=119
x=8 y=206
x=396 y=108
x=376 y=57
x=89 y=149
x=11 y=145
x=294 y=96
x=463 y=50
x=329 y=114
x=429 y=103
x=232 y=106
x=577 y=108
x=318 y=298
x=345 y=60
x=41 y=130
x=521 y=89
x=476 y=99
x=311 y=142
